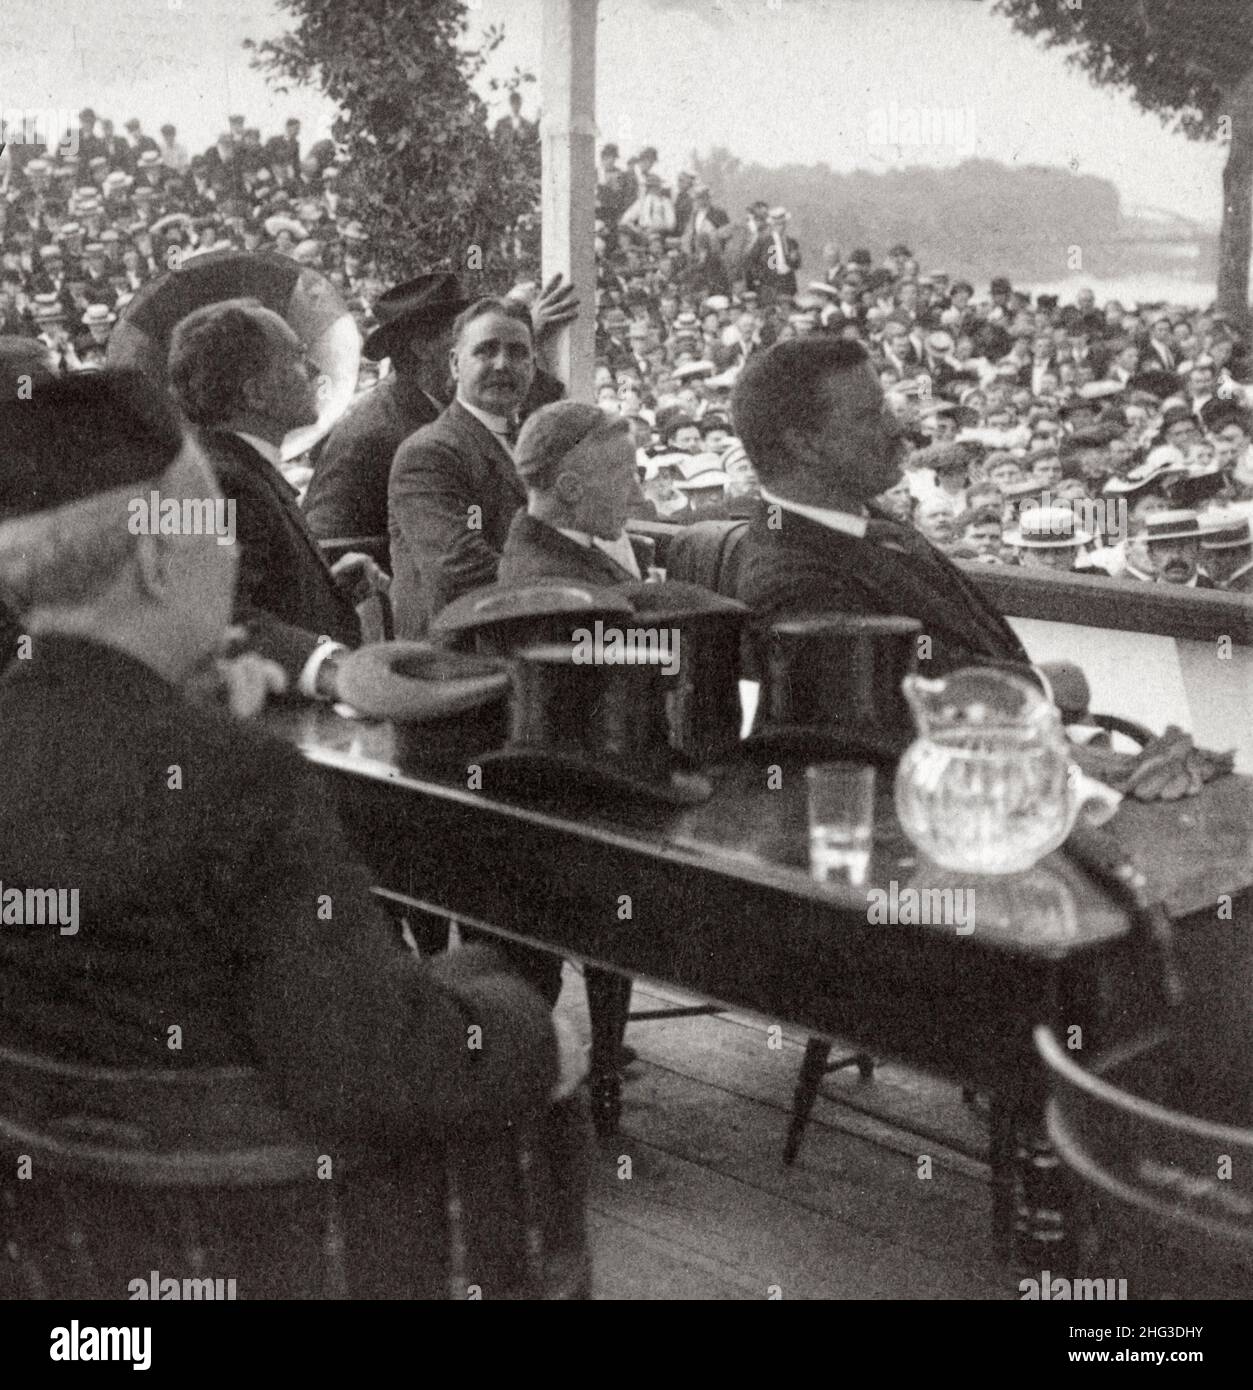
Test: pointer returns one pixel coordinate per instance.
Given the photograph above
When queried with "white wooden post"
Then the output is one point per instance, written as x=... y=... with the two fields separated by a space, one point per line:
x=568 y=136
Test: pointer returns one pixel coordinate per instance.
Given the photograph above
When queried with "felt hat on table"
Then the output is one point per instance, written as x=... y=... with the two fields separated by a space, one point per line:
x=447 y=707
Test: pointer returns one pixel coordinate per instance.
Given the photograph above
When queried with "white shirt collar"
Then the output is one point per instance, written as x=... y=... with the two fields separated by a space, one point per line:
x=847 y=522
x=272 y=453
x=619 y=549
x=498 y=424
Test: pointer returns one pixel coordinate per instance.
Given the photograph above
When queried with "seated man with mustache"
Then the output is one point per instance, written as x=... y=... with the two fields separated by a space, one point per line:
x=812 y=416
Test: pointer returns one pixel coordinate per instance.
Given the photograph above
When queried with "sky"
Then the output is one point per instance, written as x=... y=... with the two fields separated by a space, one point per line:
x=871 y=84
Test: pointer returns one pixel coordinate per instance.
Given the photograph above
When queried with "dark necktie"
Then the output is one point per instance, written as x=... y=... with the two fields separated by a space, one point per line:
x=511 y=433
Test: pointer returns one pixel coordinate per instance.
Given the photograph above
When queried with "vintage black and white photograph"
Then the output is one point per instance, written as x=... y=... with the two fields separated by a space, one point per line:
x=626 y=661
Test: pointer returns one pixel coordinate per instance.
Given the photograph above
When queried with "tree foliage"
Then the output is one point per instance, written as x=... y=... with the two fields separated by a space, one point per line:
x=431 y=187
x=1189 y=62
x=1180 y=61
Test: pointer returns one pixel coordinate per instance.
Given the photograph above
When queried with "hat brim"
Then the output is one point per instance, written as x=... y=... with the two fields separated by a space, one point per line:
x=415 y=682
x=554 y=775
x=1015 y=538
x=385 y=339
x=495 y=604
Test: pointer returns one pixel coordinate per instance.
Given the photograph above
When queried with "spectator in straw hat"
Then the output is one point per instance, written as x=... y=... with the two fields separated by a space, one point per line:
x=1048 y=538
x=1173 y=542
x=1227 y=552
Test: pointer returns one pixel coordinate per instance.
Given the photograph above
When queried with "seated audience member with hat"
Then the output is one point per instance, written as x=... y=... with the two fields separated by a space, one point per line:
x=1173 y=542
x=1048 y=538
x=1227 y=552
x=337 y=1040
x=239 y=373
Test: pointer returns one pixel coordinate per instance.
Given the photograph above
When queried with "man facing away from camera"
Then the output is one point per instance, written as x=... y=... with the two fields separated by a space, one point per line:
x=240 y=374
x=202 y=847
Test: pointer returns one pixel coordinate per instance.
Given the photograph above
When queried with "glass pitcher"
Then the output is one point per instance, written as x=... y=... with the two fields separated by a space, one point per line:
x=989 y=787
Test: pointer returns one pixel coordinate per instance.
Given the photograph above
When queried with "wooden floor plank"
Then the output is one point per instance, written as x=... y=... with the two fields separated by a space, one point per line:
x=708 y=1210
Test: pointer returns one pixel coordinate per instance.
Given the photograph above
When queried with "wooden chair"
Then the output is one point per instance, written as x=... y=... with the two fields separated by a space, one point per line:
x=111 y=1174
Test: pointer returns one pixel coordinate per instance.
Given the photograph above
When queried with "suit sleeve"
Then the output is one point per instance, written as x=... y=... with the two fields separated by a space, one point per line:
x=434 y=506
x=365 y=1040
x=290 y=646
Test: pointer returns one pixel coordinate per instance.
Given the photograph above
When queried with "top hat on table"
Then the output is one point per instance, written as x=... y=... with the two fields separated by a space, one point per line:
x=426 y=299
x=587 y=725
x=831 y=688
x=703 y=696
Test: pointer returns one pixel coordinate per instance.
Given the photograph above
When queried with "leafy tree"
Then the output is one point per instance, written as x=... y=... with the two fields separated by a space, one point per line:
x=431 y=186
x=1189 y=62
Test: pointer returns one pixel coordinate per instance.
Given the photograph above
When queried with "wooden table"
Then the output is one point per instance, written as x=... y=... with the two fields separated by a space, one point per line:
x=717 y=900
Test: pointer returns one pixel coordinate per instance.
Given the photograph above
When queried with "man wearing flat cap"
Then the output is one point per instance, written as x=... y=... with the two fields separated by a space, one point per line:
x=197 y=850
x=582 y=484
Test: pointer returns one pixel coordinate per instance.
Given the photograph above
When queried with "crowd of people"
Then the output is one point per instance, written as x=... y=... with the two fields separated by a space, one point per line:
x=1042 y=434
x=872 y=425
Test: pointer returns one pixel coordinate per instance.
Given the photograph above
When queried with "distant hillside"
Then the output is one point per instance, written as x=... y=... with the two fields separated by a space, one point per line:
x=974 y=220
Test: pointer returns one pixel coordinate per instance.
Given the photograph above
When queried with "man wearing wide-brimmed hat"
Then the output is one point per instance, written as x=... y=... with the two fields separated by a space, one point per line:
x=1048 y=538
x=1227 y=552
x=347 y=494
x=1173 y=541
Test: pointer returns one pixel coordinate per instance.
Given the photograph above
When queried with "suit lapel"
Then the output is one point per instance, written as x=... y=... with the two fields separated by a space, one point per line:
x=485 y=443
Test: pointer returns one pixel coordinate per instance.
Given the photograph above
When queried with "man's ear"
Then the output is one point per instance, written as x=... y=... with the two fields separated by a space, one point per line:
x=153 y=564
x=569 y=488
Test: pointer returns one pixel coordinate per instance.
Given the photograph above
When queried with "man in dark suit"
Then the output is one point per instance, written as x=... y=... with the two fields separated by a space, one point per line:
x=122 y=784
x=823 y=443
x=514 y=133
x=582 y=484
x=453 y=490
x=347 y=495
x=240 y=373
x=773 y=260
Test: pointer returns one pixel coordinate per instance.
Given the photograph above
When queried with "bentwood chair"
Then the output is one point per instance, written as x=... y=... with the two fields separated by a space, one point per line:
x=111 y=1175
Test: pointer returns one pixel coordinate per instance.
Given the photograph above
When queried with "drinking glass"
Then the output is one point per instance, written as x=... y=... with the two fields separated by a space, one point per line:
x=841 y=821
